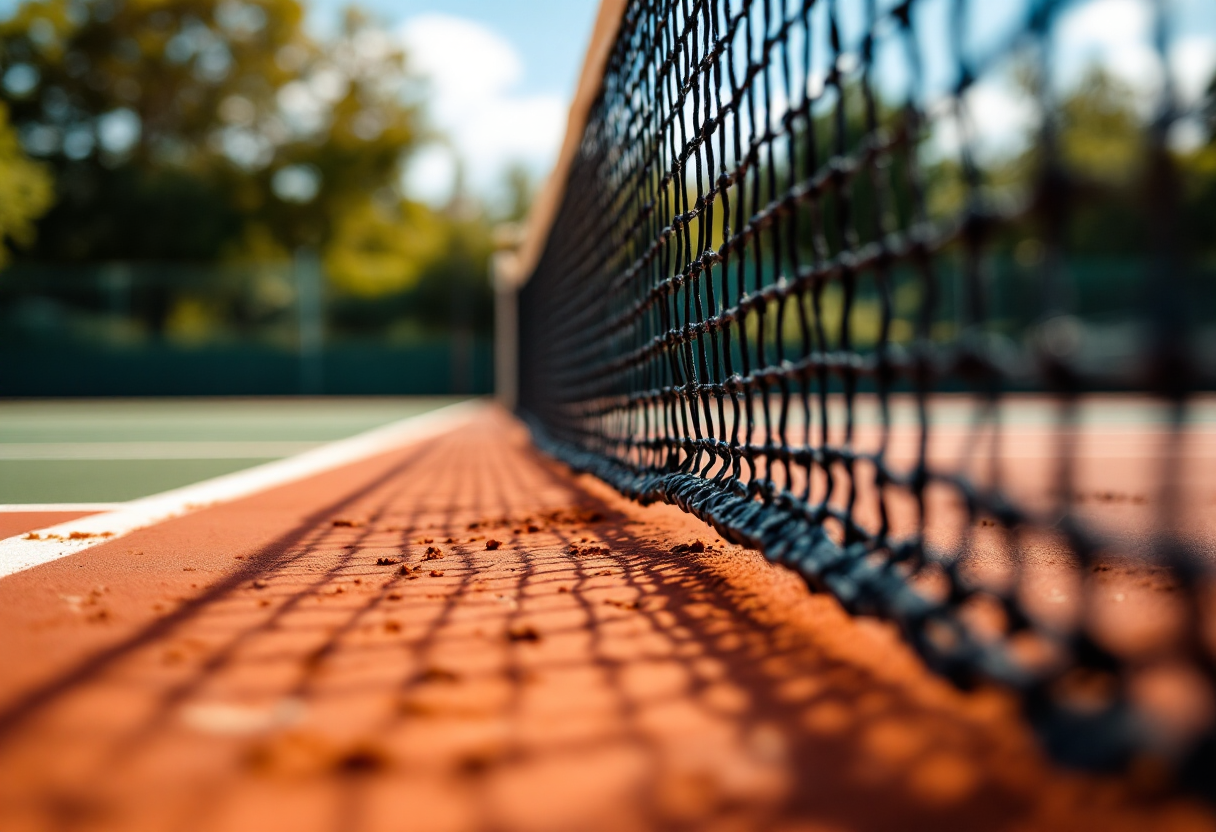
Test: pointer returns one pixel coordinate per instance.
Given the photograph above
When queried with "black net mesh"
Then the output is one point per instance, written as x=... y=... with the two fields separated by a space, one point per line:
x=917 y=299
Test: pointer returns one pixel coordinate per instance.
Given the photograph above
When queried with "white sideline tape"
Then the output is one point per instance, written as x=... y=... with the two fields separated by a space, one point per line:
x=27 y=551
x=37 y=508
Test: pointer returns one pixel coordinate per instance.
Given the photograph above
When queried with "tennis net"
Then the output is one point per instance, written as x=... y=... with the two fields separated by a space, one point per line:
x=820 y=271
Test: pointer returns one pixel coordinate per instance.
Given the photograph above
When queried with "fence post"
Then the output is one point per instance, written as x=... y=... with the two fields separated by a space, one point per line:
x=506 y=329
x=308 y=306
x=506 y=276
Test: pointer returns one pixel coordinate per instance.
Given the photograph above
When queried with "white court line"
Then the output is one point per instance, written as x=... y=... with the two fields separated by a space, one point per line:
x=17 y=508
x=13 y=451
x=20 y=553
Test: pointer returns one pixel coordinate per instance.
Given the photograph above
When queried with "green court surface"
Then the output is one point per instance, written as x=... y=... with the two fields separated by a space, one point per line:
x=108 y=450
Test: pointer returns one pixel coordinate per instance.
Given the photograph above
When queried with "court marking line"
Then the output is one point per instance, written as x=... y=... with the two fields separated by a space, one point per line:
x=137 y=450
x=44 y=508
x=53 y=542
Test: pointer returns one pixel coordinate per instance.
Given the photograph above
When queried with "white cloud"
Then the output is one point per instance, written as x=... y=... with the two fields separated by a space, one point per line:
x=1107 y=22
x=1193 y=62
x=430 y=175
x=1002 y=116
x=473 y=74
x=1118 y=36
x=1113 y=34
x=997 y=121
x=463 y=58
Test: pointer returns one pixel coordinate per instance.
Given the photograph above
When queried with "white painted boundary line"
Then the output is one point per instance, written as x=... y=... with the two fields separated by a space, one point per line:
x=42 y=451
x=35 y=508
x=20 y=553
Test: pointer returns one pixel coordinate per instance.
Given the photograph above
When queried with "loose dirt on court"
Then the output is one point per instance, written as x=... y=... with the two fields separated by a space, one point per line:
x=353 y=652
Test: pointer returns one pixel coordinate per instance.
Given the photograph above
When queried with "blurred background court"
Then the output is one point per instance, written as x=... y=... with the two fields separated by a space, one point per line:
x=111 y=450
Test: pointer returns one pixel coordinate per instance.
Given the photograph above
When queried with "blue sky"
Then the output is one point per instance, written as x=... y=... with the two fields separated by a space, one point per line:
x=551 y=35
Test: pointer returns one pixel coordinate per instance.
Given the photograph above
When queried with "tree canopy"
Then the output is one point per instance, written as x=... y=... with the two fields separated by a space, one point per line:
x=25 y=190
x=206 y=129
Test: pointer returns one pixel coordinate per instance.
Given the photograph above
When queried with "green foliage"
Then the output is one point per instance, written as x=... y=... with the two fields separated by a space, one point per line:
x=1100 y=134
x=451 y=291
x=129 y=213
x=209 y=131
x=520 y=191
x=378 y=249
x=1102 y=149
x=1199 y=188
x=25 y=190
x=1199 y=201
x=183 y=129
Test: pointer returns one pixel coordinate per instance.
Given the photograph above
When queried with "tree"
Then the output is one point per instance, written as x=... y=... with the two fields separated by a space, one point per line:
x=193 y=129
x=379 y=249
x=25 y=190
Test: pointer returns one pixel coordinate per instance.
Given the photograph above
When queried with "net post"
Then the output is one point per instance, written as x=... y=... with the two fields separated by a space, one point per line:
x=310 y=320
x=506 y=279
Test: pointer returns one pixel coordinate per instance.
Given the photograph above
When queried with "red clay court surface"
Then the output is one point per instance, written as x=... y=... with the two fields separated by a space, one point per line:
x=252 y=666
